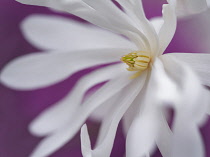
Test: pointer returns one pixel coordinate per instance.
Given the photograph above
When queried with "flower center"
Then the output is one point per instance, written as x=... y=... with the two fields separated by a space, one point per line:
x=137 y=60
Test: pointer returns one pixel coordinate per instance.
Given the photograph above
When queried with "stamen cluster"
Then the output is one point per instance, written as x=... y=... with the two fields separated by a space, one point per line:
x=137 y=60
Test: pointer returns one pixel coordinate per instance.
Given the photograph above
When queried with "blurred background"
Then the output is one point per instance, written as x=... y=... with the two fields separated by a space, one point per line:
x=18 y=108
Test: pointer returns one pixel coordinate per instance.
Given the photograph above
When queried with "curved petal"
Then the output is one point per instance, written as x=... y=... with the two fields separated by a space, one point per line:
x=145 y=129
x=192 y=103
x=190 y=111
x=198 y=62
x=103 y=149
x=131 y=114
x=136 y=12
x=63 y=135
x=61 y=113
x=189 y=7
x=157 y=23
x=168 y=28
x=101 y=112
x=43 y=69
x=187 y=140
x=96 y=12
x=65 y=34
x=161 y=86
x=142 y=133
x=164 y=140
x=115 y=104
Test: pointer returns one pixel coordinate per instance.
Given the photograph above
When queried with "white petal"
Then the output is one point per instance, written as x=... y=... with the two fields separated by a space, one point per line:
x=65 y=34
x=61 y=113
x=63 y=135
x=103 y=149
x=120 y=22
x=161 y=85
x=164 y=140
x=96 y=12
x=188 y=7
x=43 y=69
x=157 y=23
x=168 y=28
x=114 y=105
x=200 y=63
x=135 y=11
x=190 y=110
x=142 y=133
x=192 y=103
x=208 y=3
x=86 y=145
x=102 y=111
x=208 y=100
x=131 y=114
x=187 y=140
x=145 y=129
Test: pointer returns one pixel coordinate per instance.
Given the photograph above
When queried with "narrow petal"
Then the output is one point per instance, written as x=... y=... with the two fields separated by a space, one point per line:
x=43 y=69
x=65 y=34
x=161 y=86
x=135 y=11
x=157 y=23
x=145 y=129
x=86 y=145
x=193 y=103
x=198 y=62
x=103 y=149
x=96 y=12
x=187 y=140
x=131 y=114
x=164 y=140
x=190 y=110
x=186 y=7
x=63 y=135
x=114 y=105
x=168 y=28
x=61 y=113
x=142 y=133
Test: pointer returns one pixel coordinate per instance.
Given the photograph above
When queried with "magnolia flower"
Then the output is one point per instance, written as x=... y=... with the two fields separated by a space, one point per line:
x=189 y=7
x=139 y=89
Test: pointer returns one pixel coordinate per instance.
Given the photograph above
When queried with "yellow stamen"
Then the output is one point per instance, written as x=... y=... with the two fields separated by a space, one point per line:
x=137 y=61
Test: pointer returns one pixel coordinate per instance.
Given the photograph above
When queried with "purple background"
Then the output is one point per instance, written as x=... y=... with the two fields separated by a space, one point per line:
x=18 y=108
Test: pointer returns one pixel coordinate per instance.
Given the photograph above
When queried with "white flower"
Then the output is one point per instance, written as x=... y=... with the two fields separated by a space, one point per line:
x=157 y=79
x=189 y=7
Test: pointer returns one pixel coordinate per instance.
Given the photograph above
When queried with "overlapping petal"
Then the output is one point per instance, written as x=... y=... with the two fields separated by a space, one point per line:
x=198 y=62
x=135 y=11
x=157 y=23
x=168 y=28
x=104 y=146
x=168 y=82
x=131 y=113
x=145 y=129
x=190 y=87
x=96 y=12
x=61 y=113
x=39 y=70
x=189 y=7
x=142 y=133
x=63 y=135
x=164 y=139
x=63 y=34
x=187 y=139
